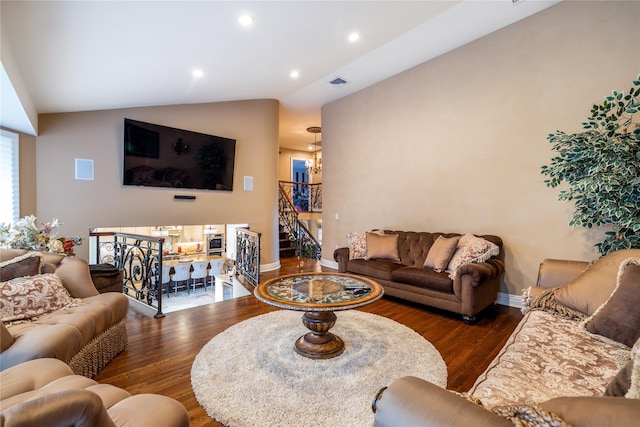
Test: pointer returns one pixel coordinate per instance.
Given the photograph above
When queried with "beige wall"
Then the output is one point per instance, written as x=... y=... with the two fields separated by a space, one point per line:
x=105 y=202
x=456 y=144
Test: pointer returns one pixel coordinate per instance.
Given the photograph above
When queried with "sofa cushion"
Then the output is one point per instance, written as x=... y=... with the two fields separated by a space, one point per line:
x=441 y=252
x=27 y=297
x=595 y=285
x=23 y=265
x=472 y=249
x=357 y=242
x=382 y=247
x=546 y=357
x=423 y=278
x=377 y=269
x=618 y=318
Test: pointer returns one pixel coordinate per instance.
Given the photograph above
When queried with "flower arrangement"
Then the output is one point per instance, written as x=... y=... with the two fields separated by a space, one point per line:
x=25 y=234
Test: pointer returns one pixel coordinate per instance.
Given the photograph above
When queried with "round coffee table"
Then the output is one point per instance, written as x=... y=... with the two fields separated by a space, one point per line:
x=319 y=295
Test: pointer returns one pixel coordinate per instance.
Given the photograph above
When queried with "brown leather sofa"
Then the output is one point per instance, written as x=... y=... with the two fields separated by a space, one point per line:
x=573 y=359
x=474 y=286
x=45 y=392
x=86 y=334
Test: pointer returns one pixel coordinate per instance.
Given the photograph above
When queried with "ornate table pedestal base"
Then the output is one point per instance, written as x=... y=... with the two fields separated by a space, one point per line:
x=319 y=343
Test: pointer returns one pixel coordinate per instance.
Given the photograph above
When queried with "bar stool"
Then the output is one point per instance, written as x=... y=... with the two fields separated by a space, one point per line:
x=182 y=273
x=215 y=268
x=199 y=274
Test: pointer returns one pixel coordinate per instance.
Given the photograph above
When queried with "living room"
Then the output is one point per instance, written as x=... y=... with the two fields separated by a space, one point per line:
x=475 y=119
x=453 y=144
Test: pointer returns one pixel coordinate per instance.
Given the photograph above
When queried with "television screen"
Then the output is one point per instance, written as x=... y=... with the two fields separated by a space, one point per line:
x=161 y=156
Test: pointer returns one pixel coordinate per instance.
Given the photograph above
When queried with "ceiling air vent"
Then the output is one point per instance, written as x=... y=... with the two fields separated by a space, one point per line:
x=338 y=81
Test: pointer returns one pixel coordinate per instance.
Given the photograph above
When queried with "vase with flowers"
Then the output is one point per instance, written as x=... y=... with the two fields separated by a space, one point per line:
x=26 y=234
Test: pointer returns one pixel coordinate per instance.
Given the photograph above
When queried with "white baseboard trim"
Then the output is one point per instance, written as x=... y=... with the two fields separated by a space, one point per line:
x=328 y=263
x=270 y=267
x=509 y=300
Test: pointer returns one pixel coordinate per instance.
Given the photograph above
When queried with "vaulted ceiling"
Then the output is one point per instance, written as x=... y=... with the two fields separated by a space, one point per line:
x=68 y=56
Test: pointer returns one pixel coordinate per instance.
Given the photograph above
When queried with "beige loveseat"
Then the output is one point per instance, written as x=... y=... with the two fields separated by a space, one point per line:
x=574 y=359
x=57 y=314
x=456 y=273
x=45 y=392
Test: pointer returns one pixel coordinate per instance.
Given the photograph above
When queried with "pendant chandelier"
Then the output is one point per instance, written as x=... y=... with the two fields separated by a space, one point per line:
x=314 y=166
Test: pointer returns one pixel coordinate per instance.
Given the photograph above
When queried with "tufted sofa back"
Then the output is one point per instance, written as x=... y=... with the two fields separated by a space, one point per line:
x=414 y=246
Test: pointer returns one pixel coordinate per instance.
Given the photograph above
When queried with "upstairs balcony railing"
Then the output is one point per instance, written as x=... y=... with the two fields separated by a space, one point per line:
x=141 y=258
x=295 y=198
x=305 y=197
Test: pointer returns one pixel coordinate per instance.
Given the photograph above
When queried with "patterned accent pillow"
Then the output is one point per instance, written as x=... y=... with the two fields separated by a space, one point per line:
x=24 y=265
x=357 y=242
x=26 y=297
x=471 y=249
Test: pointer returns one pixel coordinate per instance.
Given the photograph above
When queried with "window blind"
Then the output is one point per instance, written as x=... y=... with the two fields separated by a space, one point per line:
x=9 y=177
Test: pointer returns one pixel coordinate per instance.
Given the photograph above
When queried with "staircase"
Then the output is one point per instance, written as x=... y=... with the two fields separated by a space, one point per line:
x=287 y=246
x=295 y=238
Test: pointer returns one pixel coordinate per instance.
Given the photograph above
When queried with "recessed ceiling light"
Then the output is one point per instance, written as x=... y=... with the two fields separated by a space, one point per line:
x=294 y=74
x=198 y=73
x=246 y=20
x=354 y=37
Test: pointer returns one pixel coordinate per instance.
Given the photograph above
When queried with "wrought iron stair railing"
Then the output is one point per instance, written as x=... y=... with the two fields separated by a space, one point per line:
x=293 y=198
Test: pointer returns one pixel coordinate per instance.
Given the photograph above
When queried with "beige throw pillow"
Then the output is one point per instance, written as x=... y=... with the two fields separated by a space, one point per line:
x=382 y=247
x=595 y=285
x=441 y=252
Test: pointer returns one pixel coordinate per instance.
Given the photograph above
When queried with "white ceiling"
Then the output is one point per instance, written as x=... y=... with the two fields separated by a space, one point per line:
x=68 y=56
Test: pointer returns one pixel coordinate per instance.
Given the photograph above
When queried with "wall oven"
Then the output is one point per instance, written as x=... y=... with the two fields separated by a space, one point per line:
x=215 y=244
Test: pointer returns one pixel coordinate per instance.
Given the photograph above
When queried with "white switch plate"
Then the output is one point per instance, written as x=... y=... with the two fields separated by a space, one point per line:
x=248 y=183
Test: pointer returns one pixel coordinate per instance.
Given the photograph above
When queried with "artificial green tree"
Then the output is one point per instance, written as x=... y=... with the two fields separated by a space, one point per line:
x=601 y=166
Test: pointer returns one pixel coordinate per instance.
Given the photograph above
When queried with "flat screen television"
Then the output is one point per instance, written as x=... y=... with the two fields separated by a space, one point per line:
x=161 y=156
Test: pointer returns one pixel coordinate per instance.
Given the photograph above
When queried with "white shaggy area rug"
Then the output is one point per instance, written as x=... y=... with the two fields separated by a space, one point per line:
x=250 y=374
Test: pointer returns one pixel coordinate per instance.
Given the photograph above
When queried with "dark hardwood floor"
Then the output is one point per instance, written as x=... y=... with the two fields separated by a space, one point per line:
x=160 y=352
